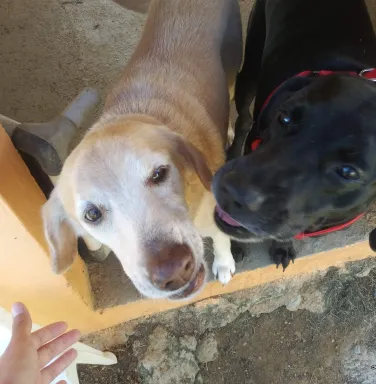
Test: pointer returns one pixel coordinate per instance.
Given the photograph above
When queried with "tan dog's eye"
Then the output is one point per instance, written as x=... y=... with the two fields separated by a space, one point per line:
x=159 y=175
x=93 y=214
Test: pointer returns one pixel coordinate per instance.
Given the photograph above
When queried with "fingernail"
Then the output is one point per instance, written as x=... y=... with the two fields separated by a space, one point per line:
x=18 y=309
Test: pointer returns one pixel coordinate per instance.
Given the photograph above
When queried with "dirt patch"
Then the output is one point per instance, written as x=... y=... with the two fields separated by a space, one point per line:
x=251 y=337
x=123 y=372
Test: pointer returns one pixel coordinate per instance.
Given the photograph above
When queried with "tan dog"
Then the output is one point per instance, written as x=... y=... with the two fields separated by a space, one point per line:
x=139 y=182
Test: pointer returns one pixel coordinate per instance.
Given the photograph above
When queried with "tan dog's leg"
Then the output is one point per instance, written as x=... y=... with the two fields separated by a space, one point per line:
x=230 y=135
x=231 y=85
x=232 y=48
x=224 y=264
x=97 y=249
x=231 y=89
x=232 y=52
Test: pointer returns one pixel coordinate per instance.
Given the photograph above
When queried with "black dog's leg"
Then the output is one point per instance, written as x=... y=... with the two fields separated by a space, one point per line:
x=243 y=125
x=238 y=251
x=282 y=253
x=245 y=91
x=246 y=82
x=242 y=128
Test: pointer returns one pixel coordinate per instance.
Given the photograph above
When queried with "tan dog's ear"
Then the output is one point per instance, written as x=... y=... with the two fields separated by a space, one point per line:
x=195 y=160
x=59 y=233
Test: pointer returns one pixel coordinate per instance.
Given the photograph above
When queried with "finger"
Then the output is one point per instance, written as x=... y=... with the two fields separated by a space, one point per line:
x=21 y=320
x=48 y=333
x=62 y=382
x=52 y=349
x=53 y=370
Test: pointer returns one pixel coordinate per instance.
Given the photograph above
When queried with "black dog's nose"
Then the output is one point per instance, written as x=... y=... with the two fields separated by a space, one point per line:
x=236 y=194
x=254 y=200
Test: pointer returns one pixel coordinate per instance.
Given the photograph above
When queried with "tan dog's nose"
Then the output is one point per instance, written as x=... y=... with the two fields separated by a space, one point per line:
x=170 y=266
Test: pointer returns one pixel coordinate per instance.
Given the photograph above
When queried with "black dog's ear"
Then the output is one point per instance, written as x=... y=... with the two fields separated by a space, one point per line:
x=372 y=240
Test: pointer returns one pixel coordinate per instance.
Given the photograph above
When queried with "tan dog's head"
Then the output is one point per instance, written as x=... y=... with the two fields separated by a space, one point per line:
x=124 y=186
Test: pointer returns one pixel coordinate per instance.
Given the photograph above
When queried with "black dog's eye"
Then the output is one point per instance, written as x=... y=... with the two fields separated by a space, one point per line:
x=93 y=214
x=348 y=173
x=284 y=118
x=159 y=175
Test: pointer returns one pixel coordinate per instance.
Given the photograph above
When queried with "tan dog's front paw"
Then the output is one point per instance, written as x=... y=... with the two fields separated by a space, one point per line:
x=223 y=270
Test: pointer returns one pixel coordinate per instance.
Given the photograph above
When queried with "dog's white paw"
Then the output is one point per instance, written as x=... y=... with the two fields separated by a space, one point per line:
x=223 y=270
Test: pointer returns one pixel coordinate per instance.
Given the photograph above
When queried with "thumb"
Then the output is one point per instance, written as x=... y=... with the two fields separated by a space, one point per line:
x=21 y=320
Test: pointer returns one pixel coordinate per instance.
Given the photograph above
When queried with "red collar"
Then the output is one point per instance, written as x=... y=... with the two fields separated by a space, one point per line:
x=326 y=231
x=369 y=74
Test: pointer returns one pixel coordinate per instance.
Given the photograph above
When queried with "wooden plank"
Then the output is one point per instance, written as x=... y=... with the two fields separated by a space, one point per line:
x=25 y=272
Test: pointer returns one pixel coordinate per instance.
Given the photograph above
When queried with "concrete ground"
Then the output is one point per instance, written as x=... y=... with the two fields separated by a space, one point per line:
x=316 y=329
x=51 y=50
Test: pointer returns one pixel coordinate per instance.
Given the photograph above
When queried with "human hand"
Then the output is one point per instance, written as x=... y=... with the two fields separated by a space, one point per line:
x=26 y=358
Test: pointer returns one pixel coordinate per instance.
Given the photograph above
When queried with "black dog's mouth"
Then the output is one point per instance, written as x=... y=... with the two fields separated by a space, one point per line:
x=226 y=218
x=230 y=226
x=238 y=231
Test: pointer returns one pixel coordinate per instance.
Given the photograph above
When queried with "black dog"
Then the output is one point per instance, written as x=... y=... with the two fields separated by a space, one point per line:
x=313 y=165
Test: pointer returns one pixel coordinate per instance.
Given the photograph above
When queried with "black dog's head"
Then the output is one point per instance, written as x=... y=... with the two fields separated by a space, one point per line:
x=316 y=165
